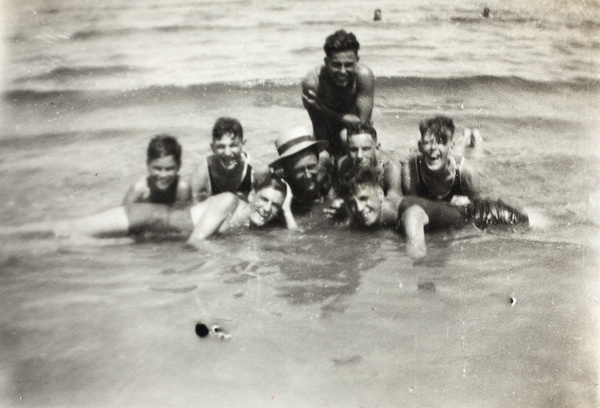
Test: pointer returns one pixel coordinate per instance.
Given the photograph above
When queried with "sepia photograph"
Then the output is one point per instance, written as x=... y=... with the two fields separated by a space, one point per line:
x=300 y=203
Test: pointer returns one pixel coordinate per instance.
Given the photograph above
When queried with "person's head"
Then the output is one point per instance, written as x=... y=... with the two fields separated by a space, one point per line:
x=362 y=145
x=163 y=159
x=377 y=15
x=267 y=200
x=227 y=142
x=363 y=196
x=436 y=141
x=299 y=159
x=341 y=50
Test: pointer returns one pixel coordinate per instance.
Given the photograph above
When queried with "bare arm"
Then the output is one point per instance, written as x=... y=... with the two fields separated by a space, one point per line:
x=286 y=208
x=184 y=193
x=200 y=182
x=470 y=181
x=317 y=109
x=217 y=209
x=393 y=180
x=365 y=98
x=137 y=193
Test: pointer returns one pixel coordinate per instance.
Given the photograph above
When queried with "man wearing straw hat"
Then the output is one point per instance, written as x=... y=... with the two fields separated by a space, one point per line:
x=304 y=165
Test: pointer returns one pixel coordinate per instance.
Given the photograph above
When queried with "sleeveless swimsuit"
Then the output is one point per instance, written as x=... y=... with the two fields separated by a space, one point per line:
x=424 y=191
x=243 y=188
x=168 y=196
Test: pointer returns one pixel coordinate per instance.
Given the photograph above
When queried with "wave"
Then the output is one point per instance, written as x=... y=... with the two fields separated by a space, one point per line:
x=62 y=73
x=174 y=92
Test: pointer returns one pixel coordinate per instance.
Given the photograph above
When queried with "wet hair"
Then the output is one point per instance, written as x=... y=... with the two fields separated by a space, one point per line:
x=227 y=125
x=273 y=181
x=362 y=128
x=349 y=183
x=439 y=126
x=164 y=145
x=341 y=41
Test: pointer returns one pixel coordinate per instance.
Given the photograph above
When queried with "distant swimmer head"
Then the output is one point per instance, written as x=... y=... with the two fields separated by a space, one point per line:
x=436 y=142
x=377 y=15
x=363 y=196
x=228 y=142
x=486 y=12
x=163 y=159
x=341 y=49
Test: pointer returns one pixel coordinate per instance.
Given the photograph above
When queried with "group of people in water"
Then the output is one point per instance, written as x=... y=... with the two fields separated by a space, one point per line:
x=339 y=162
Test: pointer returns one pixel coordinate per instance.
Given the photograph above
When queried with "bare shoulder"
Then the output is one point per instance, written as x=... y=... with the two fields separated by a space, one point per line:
x=310 y=80
x=364 y=74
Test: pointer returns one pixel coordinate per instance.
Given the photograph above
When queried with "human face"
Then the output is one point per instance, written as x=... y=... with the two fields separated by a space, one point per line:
x=163 y=172
x=265 y=206
x=228 y=150
x=302 y=172
x=362 y=150
x=366 y=204
x=434 y=151
x=342 y=67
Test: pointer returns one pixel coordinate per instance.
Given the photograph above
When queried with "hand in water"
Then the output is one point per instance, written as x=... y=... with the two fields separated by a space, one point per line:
x=336 y=210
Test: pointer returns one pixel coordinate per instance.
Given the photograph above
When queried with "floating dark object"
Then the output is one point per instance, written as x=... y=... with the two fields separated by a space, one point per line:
x=202 y=330
x=486 y=12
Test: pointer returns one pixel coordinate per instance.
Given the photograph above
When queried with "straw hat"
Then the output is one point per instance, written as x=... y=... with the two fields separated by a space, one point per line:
x=294 y=141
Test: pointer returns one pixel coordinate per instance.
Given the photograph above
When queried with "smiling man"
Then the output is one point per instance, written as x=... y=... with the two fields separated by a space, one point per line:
x=434 y=173
x=217 y=214
x=364 y=199
x=305 y=165
x=339 y=93
x=363 y=150
x=227 y=169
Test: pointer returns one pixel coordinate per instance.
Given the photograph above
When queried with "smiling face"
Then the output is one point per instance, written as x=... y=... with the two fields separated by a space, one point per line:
x=435 y=150
x=341 y=67
x=162 y=172
x=228 y=150
x=362 y=150
x=265 y=206
x=302 y=172
x=366 y=204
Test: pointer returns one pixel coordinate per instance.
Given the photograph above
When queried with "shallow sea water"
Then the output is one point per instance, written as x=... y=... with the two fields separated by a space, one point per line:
x=328 y=317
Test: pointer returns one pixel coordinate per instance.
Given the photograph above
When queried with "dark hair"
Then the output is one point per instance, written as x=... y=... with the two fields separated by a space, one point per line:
x=164 y=145
x=272 y=180
x=341 y=41
x=362 y=128
x=348 y=184
x=439 y=126
x=227 y=125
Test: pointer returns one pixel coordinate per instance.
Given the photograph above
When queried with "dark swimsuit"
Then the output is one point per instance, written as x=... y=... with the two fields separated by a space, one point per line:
x=242 y=190
x=168 y=196
x=424 y=191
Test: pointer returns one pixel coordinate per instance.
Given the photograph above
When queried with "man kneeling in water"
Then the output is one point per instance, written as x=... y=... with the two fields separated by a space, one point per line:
x=364 y=198
x=219 y=213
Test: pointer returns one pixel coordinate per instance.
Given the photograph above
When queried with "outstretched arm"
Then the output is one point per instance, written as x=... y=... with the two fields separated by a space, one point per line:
x=214 y=212
x=200 y=182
